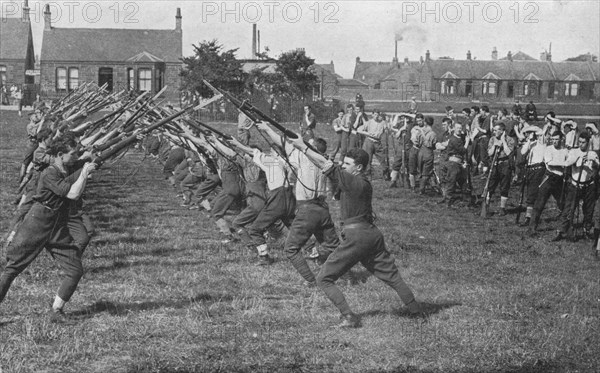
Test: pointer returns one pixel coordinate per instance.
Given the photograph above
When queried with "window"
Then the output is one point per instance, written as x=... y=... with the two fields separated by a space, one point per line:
x=447 y=87
x=489 y=88
x=145 y=79
x=158 y=84
x=510 y=89
x=73 y=78
x=130 y=79
x=61 y=79
x=571 y=89
x=551 y=88
x=2 y=74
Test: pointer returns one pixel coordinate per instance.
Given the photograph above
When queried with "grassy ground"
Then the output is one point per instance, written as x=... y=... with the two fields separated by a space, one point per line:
x=161 y=295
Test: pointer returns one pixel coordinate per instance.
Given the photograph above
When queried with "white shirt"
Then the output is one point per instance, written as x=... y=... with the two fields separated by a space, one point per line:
x=556 y=156
x=273 y=167
x=311 y=181
x=582 y=171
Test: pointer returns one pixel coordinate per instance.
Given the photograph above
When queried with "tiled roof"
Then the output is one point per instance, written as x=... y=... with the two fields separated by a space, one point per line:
x=586 y=71
x=351 y=83
x=13 y=38
x=372 y=72
x=376 y=72
x=119 y=45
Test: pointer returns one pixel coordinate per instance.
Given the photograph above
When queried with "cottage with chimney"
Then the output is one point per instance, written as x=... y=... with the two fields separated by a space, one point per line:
x=123 y=59
x=516 y=76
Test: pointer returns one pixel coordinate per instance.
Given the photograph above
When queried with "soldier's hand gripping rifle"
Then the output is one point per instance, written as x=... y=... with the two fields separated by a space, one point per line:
x=484 y=195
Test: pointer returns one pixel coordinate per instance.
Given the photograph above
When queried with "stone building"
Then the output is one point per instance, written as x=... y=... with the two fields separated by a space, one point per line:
x=123 y=59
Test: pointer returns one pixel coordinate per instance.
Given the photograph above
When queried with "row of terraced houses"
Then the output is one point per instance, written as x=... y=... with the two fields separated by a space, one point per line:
x=147 y=60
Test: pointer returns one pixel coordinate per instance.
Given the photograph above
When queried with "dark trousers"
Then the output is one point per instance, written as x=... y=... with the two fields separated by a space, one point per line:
x=176 y=156
x=452 y=174
x=361 y=242
x=280 y=205
x=375 y=148
x=208 y=186
x=231 y=192
x=312 y=218
x=500 y=177
x=480 y=150
x=551 y=185
x=587 y=194
x=413 y=161
x=425 y=159
x=41 y=228
x=533 y=178
x=255 y=201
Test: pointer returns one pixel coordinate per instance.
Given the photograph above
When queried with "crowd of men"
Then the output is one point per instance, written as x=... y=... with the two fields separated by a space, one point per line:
x=279 y=187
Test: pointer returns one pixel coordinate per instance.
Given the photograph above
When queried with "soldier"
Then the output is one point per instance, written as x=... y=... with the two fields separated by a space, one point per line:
x=533 y=151
x=262 y=211
x=48 y=225
x=312 y=214
x=362 y=240
x=452 y=171
x=501 y=175
x=309 y=123
x=416 y=139
x=552 y=182
x=338 y=128
x=374 y=130
x=426 y=154
x=348 y=139
x=584 y=163
x=401 y=161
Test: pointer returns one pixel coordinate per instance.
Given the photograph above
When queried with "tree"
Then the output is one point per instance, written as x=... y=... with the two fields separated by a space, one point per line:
x=583 y=58
x=210 y=62
x=295 y=66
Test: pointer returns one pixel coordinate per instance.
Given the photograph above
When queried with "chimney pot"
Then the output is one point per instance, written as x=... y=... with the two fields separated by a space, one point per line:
x=178 y=20
x=509 y=56
x=494 y=54
x=254 y=37
x=468 y=55
x=47 y=18
x=25 y=17
x=427 y=55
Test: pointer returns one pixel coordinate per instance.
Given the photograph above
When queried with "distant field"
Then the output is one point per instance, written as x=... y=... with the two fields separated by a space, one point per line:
x=160 y=294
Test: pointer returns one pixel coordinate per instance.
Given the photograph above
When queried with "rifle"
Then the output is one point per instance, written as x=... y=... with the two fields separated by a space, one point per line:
x=484 y=195
x=523 y=185
x=255 y=114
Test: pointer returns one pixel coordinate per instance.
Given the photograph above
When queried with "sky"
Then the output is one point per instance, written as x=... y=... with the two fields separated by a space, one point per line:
x=340 y=31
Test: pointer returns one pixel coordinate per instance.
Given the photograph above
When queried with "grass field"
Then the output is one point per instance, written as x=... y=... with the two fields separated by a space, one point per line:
x=160 y=294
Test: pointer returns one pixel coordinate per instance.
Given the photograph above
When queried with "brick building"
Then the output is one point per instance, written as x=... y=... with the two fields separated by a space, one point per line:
x=124 y=59
x=517 y=76
x=16 y=50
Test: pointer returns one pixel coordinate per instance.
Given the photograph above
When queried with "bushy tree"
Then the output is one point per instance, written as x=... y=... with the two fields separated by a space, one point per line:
x=219 y=67
x=293 y=76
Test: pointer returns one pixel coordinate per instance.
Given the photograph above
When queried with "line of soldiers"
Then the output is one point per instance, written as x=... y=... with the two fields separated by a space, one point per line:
x=284 y=186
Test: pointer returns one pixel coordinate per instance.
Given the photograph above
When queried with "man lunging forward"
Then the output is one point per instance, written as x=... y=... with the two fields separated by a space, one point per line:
x=361 y=241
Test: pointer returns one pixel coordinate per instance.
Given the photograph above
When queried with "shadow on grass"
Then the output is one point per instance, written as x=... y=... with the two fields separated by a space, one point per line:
x=121 y=309
x=539 y=366
x=140 y=263
x=428 y=309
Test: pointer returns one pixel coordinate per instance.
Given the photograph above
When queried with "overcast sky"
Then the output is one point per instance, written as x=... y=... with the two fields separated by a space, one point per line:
x=342 y=30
